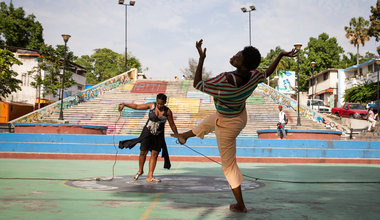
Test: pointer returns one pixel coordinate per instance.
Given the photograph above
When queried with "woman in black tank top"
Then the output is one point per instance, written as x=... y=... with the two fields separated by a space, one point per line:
x=152 y=137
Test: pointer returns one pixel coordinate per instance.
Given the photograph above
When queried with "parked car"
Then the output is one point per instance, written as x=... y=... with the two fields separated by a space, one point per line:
x=317 y=105
x=352 y=110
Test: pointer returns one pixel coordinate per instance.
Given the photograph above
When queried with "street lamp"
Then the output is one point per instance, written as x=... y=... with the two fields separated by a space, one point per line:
x=131 y=3
x=312 y=84
x=298 y=47
x=378 y=71
x=244 y=10
x=66 y=38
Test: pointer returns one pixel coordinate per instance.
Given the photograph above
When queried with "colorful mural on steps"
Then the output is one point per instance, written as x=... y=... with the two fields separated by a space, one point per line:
x=81 y=97
x=304 y=111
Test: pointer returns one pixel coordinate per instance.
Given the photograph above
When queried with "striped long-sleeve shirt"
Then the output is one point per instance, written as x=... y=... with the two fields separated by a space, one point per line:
x=230 y=100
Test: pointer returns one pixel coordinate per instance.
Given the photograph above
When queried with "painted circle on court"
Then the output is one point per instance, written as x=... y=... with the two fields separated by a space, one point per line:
x=168 y=184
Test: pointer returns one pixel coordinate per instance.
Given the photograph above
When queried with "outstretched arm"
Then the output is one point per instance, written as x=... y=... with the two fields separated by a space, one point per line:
x=135 y=106
x=273 y=66
x=202 y=57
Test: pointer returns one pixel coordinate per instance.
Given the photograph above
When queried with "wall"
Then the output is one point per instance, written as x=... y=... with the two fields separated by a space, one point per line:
x=27 y=93
x=52 y=146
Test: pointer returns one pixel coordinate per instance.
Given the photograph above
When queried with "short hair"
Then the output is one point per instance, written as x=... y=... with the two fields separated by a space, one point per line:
x=251 y=57
x=162 y=97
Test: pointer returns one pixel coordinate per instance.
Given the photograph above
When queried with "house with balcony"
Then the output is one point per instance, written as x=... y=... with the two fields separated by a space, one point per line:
x=31 y=95
x=358 y=75
x=324 y=86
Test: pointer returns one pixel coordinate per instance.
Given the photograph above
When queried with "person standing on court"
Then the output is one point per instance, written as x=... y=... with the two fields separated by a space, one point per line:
x=282 y=121
x=152 y=137
x=230 y=91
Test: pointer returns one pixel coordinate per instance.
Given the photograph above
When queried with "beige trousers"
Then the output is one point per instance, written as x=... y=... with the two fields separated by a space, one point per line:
x=226 y=130
x=371 y=123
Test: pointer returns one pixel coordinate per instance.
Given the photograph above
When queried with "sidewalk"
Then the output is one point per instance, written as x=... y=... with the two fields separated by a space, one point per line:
x=190 y=190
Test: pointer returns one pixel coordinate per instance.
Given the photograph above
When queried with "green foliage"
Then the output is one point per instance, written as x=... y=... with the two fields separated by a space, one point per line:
x=374 y=28
x=324 y=51
x=361 y=93
x=19 y=30
x=357 y=32
x=51 y=63
x=8 y=81
x=105 y=64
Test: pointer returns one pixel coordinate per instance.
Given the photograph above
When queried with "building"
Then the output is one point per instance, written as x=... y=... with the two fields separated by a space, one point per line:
x=358 y=75
x=31 y=95
x=324 y=86
x=331 y=84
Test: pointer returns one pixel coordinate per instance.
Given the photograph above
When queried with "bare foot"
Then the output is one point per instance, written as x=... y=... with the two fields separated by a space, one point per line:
x=237 y=208
x=153 y=180
x=180 y=137
x=136 y=177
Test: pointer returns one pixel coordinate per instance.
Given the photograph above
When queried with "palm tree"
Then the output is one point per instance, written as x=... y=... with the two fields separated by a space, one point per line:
x=357 y=32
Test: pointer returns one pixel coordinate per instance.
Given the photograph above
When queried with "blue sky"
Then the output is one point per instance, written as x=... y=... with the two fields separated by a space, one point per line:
x=162 y=34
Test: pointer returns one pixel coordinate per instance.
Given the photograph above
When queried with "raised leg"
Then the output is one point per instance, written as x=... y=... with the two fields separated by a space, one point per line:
x=182 y=137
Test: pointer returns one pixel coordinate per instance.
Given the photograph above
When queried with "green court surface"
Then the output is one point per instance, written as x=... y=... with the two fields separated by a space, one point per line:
x=190 y=190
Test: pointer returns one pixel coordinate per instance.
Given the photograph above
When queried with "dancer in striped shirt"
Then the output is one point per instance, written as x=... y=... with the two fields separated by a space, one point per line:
x=230 y=91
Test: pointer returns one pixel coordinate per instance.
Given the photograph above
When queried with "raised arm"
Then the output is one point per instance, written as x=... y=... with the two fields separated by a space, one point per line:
x=274 y=64
x=135 y=106
x=202 y=57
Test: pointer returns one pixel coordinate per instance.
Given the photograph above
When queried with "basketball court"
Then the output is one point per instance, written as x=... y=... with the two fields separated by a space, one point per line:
x=83 y=189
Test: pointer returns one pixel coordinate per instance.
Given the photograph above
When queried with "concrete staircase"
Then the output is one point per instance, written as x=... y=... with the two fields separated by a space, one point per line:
x=188 y=105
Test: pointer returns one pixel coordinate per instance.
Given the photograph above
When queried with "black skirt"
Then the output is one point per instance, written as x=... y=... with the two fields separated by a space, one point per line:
x=150 y=142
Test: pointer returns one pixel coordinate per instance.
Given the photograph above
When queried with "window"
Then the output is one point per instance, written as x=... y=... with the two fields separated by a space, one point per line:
x=377 y=67
x=25 y=79
x=370 y=68
x=325 y=76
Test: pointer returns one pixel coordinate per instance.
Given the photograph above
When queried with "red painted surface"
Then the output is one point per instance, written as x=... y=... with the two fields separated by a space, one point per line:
x=149 y=87
x=60 y=129
x=187 y=158
x=300 y=136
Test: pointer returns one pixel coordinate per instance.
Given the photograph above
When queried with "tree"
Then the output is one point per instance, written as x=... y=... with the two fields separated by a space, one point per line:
x=347 y=61
x=51 y=63
x=285 y=63
x=374 y=28
x=189 y=72
x=18 y=30
x=357 y=32
x=105 y=64
x=324 y=51
x=361 y=93
x=8 y=81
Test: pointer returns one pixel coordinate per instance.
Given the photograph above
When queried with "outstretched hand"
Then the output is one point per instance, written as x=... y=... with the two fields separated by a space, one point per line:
x=198 y=45
x=291 y=53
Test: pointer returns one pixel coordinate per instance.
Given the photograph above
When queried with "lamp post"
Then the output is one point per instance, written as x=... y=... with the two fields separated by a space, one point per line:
x=378 y=72
x=244 y=10
x=66 y=38
x=131 y=3
x=312 y=83
x=298 y=47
